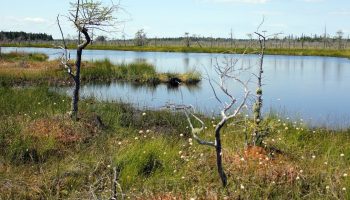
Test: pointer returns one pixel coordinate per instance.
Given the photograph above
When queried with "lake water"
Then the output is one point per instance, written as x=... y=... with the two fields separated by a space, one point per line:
x=315 y=89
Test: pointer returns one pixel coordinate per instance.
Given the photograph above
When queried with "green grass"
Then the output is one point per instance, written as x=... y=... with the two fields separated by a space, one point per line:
x=47 y=156
x=137 y=72
x=20 y=56
x=134 y=72
x=32 y=70
x=269 y=51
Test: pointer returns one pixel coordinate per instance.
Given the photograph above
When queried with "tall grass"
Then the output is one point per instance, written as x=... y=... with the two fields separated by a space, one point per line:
x=134 y=72
x=51 y=73
x=43 y=157
x=138 y=72
x=21 y=56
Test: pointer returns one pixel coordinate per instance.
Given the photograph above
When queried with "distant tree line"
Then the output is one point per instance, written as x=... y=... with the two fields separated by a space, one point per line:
x=23 y=36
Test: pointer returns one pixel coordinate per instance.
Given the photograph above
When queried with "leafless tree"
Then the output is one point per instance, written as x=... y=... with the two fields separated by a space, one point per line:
x=187 y=39
x=140 y=38
x=340 y=35
x=196 y=38
x=226 y=72
x=260 y=132
x=86 y=15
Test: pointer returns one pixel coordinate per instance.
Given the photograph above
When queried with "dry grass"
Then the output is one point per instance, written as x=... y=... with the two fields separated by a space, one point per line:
x=264 y=165
x=14 y=72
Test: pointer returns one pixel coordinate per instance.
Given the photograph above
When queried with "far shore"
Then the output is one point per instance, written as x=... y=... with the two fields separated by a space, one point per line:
x=343 y=53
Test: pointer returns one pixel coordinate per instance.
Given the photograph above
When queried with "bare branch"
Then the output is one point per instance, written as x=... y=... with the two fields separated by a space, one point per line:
x=262 y=22
x=64 y=57
x=195 y=131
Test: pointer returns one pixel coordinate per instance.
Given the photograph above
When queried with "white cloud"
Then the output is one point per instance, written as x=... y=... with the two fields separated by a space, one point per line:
x=267 y=13
x=313 y=1
x=35 y=20
x=238 y=1
x=26 y=20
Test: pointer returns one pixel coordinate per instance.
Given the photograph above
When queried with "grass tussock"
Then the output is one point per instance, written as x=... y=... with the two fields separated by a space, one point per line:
x=137 y=72
x=45 y=155
x=34 y=71
x=21 y=56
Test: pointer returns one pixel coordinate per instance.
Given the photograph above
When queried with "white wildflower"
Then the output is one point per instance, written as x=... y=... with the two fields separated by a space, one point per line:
x=242 y=186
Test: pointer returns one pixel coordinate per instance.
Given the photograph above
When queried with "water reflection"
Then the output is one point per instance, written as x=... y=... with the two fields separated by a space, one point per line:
x=312 y=88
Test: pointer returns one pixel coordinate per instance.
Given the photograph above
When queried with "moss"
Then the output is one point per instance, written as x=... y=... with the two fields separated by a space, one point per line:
x=259 y=91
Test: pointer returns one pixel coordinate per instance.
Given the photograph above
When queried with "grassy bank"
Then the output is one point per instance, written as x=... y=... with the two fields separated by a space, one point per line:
x=15 y=56
x=270 y=51
x=34 y=69
x=47 y=156
x=138 y=72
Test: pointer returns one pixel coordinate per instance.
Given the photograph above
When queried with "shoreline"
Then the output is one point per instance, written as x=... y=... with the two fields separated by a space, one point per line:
x=344 y=53
x=34 y=69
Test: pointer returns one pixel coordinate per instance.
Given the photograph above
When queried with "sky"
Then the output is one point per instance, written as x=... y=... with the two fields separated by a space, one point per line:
x=172 y=18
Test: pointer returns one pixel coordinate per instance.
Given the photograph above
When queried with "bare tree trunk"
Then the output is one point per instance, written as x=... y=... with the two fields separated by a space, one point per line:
x=86 y=15
x=218 y=148
x=75 y=98
x=257 y=135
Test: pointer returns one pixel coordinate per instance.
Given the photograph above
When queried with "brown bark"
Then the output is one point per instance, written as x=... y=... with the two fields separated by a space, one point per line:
x=75 y=97
x=218 y=149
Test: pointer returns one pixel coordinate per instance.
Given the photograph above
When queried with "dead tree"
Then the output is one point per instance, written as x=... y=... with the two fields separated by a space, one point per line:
x=187 y=39
x=86 y=15
x=140 y=38
x=340 y=34
x=258 y=133
x=227 y=72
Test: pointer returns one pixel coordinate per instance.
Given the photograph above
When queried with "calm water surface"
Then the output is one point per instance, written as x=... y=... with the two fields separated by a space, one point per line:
x=315 y=89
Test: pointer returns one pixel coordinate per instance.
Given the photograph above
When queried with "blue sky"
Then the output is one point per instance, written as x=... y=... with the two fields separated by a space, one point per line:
x=171 y=18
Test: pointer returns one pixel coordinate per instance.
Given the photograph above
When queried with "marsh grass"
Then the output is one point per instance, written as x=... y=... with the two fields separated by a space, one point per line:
x=45 y=155
x=34 y=72
x=270 y=51
x=137 y=72
x=21 y=56
x=154 y=155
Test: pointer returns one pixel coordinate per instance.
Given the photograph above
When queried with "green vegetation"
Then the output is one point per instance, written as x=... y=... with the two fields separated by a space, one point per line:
x=137 y=72
x=270 y=51
x=19 y=56
x=45 y=155
x=22 y=36
x=34 y=69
